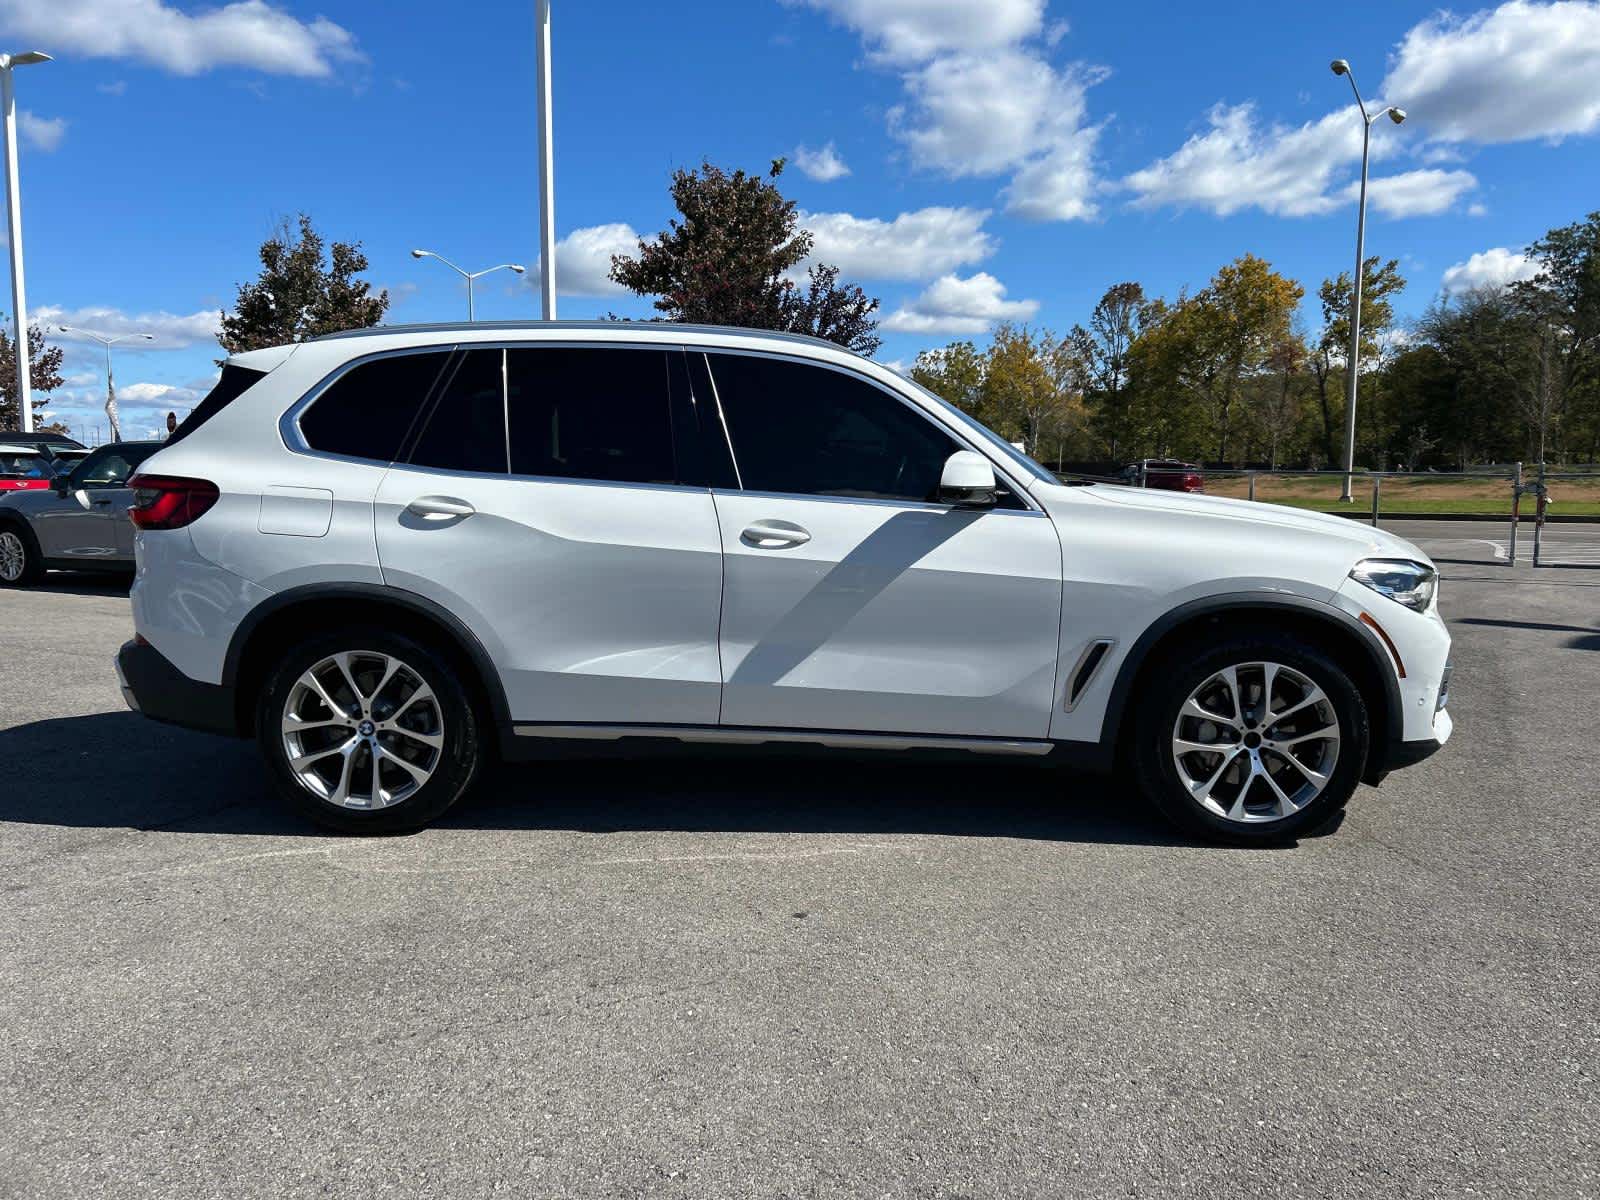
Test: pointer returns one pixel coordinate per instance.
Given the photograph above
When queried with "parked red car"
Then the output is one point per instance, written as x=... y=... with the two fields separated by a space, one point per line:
x=1166 y=473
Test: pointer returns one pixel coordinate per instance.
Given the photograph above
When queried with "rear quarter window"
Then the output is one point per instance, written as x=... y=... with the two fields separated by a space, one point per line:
x=367 y=411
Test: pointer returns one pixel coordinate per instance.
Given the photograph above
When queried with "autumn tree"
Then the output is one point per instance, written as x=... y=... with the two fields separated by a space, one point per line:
x=954 y=373
x=730 y=257
x=1236 y=321
x=44 y=374
x=305 y=289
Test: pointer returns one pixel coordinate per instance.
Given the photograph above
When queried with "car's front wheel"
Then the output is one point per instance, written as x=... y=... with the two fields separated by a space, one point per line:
x=1252 y=740
x=368 y=731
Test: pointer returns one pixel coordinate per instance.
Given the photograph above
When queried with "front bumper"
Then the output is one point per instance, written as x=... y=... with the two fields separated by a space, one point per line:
x=153 y=686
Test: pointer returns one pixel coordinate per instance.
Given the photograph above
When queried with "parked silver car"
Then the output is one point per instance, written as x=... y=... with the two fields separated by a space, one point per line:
x=78 y=524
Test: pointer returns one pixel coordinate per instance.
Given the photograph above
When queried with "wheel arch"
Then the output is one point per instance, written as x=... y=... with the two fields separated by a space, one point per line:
x=1358 y=649
x=272 y=624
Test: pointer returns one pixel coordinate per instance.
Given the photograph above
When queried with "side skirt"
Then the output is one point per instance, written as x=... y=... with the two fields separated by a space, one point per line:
x=834 y=739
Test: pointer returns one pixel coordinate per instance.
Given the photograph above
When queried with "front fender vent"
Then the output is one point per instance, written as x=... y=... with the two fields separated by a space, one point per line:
x=1083 y=673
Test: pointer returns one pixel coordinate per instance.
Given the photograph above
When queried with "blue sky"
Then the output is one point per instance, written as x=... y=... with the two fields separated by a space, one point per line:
x=1006 y=158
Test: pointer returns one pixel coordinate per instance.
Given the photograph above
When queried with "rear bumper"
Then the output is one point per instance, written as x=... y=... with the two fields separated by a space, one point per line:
x=153 y=686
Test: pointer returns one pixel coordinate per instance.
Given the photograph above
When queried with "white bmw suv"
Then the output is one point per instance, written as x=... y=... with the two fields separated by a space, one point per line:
x=393 y=554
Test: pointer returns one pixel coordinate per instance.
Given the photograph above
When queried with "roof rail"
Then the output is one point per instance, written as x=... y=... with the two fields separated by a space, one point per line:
x=735 y=331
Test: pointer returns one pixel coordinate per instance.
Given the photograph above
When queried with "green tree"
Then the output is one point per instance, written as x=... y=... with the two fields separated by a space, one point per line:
x=301 y=293
x=1378 y=284
x=729 y=258
x=954 y=372
x=44 y=374
x=1104 y=350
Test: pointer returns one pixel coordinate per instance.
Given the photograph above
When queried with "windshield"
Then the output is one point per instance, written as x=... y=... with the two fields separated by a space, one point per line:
x=1016 y=457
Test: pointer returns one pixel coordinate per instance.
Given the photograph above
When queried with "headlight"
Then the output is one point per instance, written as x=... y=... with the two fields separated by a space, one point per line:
x=1403 y=581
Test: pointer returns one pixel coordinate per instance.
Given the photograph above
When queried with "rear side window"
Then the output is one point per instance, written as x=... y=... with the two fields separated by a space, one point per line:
x=602 y=413
x=466 y=431
x=805 y=430
x=367 y=411
x=235 y=382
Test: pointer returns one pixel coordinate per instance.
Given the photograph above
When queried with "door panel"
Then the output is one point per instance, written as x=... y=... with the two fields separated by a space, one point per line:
x=77 y=525
x=598 y=601
x=908 y=618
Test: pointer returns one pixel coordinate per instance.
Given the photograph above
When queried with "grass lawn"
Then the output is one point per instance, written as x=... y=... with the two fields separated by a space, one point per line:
x=1412 y=495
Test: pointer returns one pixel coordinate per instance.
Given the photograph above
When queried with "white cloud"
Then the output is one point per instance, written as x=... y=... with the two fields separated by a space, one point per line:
x=156 y=393
x=915 y=245
x=981 y=97
x=907 y=31
x=823 y=165
x=1522 y=70
x=171 y=331
x=244 y=33
x=583 y=259
x=955 y=305
x=1492 y=268
x=1415 y=193
x=1237 y=164
x=44 y=133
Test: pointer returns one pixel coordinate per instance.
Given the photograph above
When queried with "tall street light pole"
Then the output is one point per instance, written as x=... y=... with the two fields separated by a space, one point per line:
x=19 y=300
x=469 y=276
x=547 y=172
x=111 y=387
x=1353 y=361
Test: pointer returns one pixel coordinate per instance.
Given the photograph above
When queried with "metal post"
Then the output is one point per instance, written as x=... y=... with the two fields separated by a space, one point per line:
x=19 y=303
x=1353 y=362
x=1252 y=485
x=1541 y=498
x=1516 y=512
x=1377 y=486
x=547 y=187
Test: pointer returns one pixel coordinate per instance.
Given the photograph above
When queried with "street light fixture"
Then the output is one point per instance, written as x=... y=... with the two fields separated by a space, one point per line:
x=469 y=276
x=111 y=390
x=19 y=302
x=1353 y=363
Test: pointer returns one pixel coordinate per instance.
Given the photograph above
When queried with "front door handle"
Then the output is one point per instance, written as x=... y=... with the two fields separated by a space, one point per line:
x=100 y=503
x=774 y=535
x=439 y=508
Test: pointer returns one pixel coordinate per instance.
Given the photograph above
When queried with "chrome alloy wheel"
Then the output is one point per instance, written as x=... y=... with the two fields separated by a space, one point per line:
x=13 y=557
x=362 y=730
x=1256 y=742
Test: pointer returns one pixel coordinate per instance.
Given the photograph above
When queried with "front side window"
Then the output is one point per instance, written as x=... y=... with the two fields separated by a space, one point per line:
x=597 y=413
x=807 y=430
x=111 y=467
x=366 y=412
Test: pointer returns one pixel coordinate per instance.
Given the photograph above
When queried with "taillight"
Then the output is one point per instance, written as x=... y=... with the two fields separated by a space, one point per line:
x=1191 y=483
x=169 y=501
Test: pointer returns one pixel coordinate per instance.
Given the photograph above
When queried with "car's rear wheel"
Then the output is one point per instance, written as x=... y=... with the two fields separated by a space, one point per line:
x=19 y=557
x=1256 y=739
x=368 y=731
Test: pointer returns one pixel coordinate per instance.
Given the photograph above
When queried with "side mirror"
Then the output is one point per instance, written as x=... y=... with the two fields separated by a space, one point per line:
x=63 y=484
x=967 y=481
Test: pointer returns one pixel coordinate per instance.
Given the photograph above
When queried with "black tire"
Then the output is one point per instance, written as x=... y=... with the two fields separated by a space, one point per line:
x=32 y=560
x=458 y=756
x=1168 y=686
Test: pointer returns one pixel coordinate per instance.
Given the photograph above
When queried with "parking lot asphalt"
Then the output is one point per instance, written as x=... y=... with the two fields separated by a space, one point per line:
x=764 y=977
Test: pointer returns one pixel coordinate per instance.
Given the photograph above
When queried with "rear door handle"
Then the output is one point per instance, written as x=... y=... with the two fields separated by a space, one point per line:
x=774 y=535
x=438 y=508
